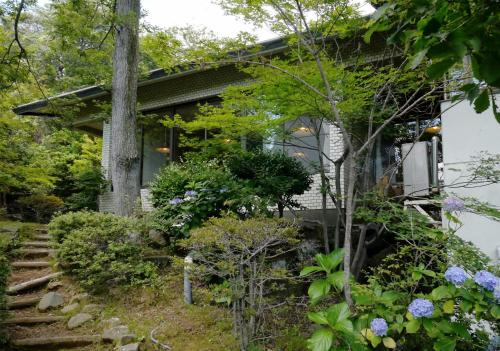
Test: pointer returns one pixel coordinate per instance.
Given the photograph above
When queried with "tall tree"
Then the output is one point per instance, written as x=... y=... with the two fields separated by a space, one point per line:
x=125 y=160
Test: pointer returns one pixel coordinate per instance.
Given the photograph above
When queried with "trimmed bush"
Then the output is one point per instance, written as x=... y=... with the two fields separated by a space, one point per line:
x=99 y=251
x=66 y=223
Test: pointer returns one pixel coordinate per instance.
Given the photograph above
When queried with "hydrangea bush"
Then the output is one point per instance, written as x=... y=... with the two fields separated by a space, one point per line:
x=445 y=319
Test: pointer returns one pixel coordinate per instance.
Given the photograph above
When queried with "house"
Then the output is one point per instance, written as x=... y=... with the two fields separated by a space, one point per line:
x=180 y=92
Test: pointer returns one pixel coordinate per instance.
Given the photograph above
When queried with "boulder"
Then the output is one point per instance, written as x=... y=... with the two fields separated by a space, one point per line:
x=110 y=323
x=54 y=284
x=50 y=300
x=91 y=308
x=80 y=298
x=78 y=320
x=134 y=237
x=157 y=237
x=129 y=347
x=70 y=308
x=120 y=335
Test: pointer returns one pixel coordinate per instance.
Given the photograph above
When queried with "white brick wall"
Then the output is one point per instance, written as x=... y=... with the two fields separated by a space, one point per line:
x=312 y=199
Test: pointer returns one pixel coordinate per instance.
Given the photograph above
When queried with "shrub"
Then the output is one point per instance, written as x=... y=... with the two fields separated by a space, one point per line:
x=40 y=208
x=450 y=317
x=185 y=195
x=98 y=250
x=244 y=254
x=272 y=175
x=63 y=225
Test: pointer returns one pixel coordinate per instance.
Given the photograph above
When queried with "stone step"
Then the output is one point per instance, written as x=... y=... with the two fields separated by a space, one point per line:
x=41 y=229
x=31 y=244
x=56 y=342
x=22 y=302
x=41 y=237
x=30 y=264
x=33 y=320
x=36 y=252
x=11 y=290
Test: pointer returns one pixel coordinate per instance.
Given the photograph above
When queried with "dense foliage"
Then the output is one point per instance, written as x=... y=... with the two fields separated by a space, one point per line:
x=427 y=295
x=187 y=194
x=272 y=175
x=101 y=250
x=447 y=32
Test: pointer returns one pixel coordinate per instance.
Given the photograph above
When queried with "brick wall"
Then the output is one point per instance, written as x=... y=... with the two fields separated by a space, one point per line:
x=312 y=199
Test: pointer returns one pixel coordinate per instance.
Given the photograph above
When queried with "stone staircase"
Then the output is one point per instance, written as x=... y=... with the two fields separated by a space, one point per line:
x=44 y=314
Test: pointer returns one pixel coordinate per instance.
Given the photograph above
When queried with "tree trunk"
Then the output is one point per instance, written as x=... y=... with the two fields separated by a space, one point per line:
x=125 y=159
x=349 y=210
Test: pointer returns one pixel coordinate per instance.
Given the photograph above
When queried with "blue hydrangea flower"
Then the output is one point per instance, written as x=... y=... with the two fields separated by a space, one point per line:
x=453 y=204
x=496 y=293
x=379 y=326
x=455 y=275
x=191 y=193
x=176 y=201
x=223 y=190
x=486 y=279
x=421 y=308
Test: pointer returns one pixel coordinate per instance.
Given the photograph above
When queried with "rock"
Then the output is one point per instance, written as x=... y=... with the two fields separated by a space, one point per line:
x=134 y=237
x=129 y=347
x=157 y=237
x=110 y=323
x=120 y=335
x=49 y=300
x=91 y=308
x=54 y=284
x=80 y=298
x=78 y=320
x=70 y=308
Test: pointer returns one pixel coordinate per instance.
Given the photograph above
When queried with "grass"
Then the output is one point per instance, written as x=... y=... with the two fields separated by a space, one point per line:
x=183 y=327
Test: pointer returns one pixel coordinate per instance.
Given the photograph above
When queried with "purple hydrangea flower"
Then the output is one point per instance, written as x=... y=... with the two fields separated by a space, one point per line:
x=453 y=204
x=191 y=193
x=379 y=326
x=176 y=201
x=486 y=279
x=455 y=275
x=421 y=308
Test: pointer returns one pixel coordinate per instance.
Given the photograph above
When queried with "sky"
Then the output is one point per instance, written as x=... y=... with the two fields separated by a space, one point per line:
x=204 y=13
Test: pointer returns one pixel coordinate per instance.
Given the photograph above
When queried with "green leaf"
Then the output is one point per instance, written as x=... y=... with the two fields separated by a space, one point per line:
x=465 y=306
x=344 y=326
x=438 y=69
x=318 y=317
x=318 y=289
x=495 y=311
x=389 y=343
x=482 y=102
x=325 y=262
x=449 y=307
x=337 y=313
x=441 y=292
x=310 y=269
x=321 y=340
x=336 y=279
x=445 y=344
x=417 y=59
x=413 y=326
x=375 y=340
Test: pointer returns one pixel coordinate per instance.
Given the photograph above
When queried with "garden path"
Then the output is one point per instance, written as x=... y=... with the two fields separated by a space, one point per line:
x=36 y=296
